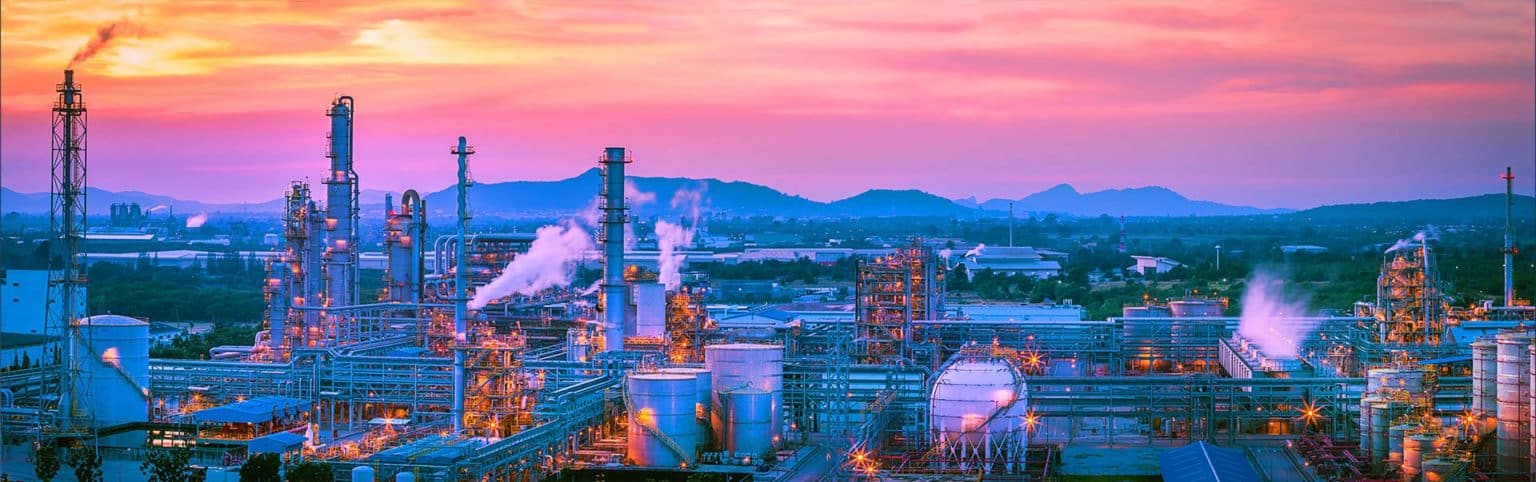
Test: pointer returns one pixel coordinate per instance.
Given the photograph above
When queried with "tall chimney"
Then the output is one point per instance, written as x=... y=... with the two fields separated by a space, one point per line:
x=1509 y=236
x=341 y=208
x=615 y=294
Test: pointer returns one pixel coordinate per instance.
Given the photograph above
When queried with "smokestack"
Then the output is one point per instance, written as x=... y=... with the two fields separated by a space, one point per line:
x=1509 y=236
x=460 y=291
x=615 y=293
x=1010 y=224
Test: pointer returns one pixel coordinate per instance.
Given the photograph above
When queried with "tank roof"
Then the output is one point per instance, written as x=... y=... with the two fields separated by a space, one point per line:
x=112 y=320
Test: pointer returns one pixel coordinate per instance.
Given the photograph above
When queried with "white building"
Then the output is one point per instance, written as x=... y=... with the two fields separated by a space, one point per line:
x=1153 y=264
x=24 y=300
x=1019 y=261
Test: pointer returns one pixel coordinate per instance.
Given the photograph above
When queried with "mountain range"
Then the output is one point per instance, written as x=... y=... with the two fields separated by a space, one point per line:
x=654 y=196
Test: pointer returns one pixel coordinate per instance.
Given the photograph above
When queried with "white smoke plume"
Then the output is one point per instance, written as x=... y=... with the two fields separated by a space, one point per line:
x=1428 y=234
x=550 y=261
x=156 y=208
x=946 y=253
x=634 y=197
x=1268 y=318
x=197 y=220
x=976 y=251
x=670 y=237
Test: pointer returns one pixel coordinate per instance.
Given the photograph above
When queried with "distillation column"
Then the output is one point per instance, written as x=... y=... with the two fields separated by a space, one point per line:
x=615 y=293
x=341 y=209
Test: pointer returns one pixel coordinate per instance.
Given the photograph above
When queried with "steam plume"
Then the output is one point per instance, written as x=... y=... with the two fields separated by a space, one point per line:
x=156 y=208
x=1428 y=234
x=1268 y=318
x=670 y=237
x=549 y=262
x=976 y=251
x=197 y=220
x=104 y=35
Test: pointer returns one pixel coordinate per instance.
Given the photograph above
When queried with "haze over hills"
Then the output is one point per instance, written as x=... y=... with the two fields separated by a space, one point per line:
x=655 y=196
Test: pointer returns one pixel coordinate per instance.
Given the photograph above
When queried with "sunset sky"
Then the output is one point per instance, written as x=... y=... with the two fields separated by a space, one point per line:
x=1289 y=103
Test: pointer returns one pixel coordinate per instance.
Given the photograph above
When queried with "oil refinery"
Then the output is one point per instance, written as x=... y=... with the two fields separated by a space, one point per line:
x=473 y=364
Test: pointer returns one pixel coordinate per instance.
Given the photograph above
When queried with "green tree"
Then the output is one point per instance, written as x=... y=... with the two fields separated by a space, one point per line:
x=47 y=463
x=261 y=468
x=309 y=472
x=167 y=465
x=86 y=463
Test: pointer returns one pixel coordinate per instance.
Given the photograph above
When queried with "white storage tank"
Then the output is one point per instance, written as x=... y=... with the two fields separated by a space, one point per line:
x=1512 y=450
x=113 y=386
x=650 y=309
x=747 y=423
x=1377 y=379
x=1415 y=448
x=662 y=428
x=1484 y=379
x=736 y=366
x=1395 y=446
x=978 y=411
x=362 y=474
x=1195 y=308
x=701 y=378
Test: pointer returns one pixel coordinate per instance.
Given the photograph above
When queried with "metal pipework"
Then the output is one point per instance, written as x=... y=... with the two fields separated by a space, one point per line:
x=341 y=208
x=615 y=293
x=460 y=291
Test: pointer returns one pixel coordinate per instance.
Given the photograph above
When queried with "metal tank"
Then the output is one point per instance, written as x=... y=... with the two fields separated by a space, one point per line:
x=740 y=365
x=1378 y=379
x=1415 y=448
x=1484 y=383
x=1512 y=452
x=1366 y=404
x=650 y=309
x=1444 y=469
x=1145 y=312
x=978 y=413
x=702 y=387
x=114 y=366
x=1381 y=419
x=748 y=423
x=362 y=474
x=1395 y=445
x=662 y=430
x=1195 y=308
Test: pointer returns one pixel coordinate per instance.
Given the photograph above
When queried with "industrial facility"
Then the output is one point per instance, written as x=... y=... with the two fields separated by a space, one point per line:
x=475 y=363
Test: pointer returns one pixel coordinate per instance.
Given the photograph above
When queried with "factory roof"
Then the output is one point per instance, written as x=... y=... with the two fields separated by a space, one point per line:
x=277 y=443
x=1201 y=462
x=255 y=410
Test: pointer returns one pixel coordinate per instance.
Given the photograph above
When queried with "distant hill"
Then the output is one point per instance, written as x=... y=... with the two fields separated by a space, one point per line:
x=888 y=202
x=1142 y=201
x=100 y=201
x=1487 y=207
x=525 y=198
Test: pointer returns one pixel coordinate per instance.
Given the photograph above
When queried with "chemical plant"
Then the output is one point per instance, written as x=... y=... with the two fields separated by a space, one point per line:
x=471 y=366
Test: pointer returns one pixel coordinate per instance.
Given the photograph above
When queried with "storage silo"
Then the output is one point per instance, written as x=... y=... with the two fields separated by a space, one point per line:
x=650 y=309
x=1195 y=308
x=748 y=422
x=702 y=386
x=662 y=429
x=1484 y=383
x=113 y=385
x=736 y=366
x=978 y=411
x=1512 y=450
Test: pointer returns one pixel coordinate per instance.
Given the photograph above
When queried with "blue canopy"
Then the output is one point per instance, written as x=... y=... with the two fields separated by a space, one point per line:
x=1203 y=462
x=277 y=443
x=255 y=410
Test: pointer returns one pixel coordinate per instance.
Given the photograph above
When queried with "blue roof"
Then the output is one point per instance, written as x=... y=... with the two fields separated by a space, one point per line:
x=1445 y=360
x=277 y=443
x=255 y=410
x=1203 y=462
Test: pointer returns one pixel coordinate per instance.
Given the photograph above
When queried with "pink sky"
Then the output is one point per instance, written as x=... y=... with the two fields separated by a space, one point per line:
x=1275 y=104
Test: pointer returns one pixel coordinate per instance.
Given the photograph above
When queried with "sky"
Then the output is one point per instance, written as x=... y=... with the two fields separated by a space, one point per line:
x=1291 y=103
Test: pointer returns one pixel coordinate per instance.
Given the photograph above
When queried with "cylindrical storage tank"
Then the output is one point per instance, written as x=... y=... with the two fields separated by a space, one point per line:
x=702 y=387
x=1415 y=448
x=977 y=411
x=1395 y=445
x=1381 y=418
x=1195 y=308
x=661 y=408
x=735 y=366
x=405 y=477
x=1366 y=444
x=1145 y=312
x=1484 y=380
x=1377 y=379
x=114 y=361
x=1512 y=450
x=1442 y=469
x=362 y=473
x=748 y=423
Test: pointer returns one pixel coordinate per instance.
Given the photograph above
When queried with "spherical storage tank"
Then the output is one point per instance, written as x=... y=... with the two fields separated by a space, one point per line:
x=114 y=362
x=662 y=428
x=977 y=411
x=735 y=366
